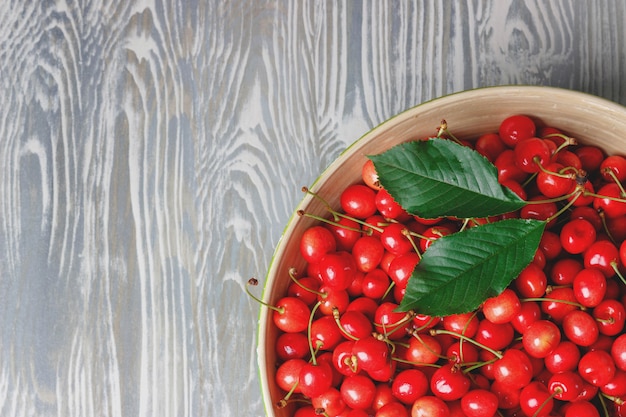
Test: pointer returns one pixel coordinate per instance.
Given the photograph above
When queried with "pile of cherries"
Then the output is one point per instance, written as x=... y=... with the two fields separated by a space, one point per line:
x=552 y=344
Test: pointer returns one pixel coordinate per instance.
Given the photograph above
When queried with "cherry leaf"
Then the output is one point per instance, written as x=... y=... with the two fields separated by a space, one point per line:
x=439 y=177
x=458 y=272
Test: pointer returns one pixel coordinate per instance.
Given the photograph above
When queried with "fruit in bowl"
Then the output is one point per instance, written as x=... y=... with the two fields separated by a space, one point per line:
x=469 y=267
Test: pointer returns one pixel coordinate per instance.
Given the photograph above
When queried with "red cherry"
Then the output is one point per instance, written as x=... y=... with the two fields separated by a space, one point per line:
x=613 y=168
x=602 y=254
x=516 y=128
x=564 y=357
x=589 y=287
x=502 y=308
x=292 y=346
x=610 y=315
x=371 y=353
x=356 y=324
x=536 y=400
x=508 y=397
x=375 y=284
x=342 y=359
x=325 y=333
x=449 y=383
x=590 y=156
x=305 y=289
x=429 y=406
x=529 y=313
x=388 y=207
x=580 y=327
x=463 y=323
x=346 y=232
x=330 y=401
x=316 y=241
x=433 y=233
x=315 y=379
x=616 y=387
x=489 y=145
x=581 y=408
x=552 y=183
x=577 y=235
x=493 y=335
x=358 y=392
x=337 y=269
x=587 y=213
x=291 y=315
x=597 y=367
x=393 y=409
x=566 y=386
x=531 y=154
x=618 y=352
x=368 y=251
x=395 y=239
x=358 y=201
x=612 y=202
x=507 y=169
x=391 y=323
x=541 y=338
x=331 y=299
x=514 y=369
x=401 y=268
x=559 y=302
x=531 y=282
x=564 y=271
x=288 y=374
x=479 y=403
x=370 y=176
x=423 y=349
x=409 y=385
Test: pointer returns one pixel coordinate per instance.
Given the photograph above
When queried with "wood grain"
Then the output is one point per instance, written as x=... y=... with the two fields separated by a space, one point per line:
x=151 y=153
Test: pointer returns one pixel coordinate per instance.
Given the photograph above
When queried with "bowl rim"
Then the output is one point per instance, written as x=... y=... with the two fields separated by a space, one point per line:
x=490 y=91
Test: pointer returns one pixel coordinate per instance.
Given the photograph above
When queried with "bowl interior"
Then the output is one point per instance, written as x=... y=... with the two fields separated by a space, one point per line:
x=587 y=118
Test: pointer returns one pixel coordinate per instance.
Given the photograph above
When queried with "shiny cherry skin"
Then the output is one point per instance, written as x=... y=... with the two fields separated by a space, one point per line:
x=358 y=391
x=479 y=403
x=449 y=383
x=541 y=338
x=429 y=406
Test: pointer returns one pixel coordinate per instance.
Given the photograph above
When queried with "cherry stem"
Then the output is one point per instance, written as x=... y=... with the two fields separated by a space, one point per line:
x=334 y=223
x=292 y=275
x=435 y=332
x=313 y=310
x=388 y=290
x=555 y=300
x=603 y=404
x=617 y=272
x=337 y=317
x=397 y=325
x=254 y=282
x=557 y=391
x=616 y=400
x=431 y=350
x=476 y=365
x=425 y=326
x=409 y=235
x=611 y=173
x=563 y=209
x=567 y=141
x=605 y=225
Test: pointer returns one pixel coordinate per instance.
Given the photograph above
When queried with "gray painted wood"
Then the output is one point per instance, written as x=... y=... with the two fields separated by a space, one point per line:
x=151 y=153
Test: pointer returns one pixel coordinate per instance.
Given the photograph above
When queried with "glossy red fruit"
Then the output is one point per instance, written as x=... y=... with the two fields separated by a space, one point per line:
x=566 y=386
x=536 y=400
x=358 y=200
x=529 y=313
x=388 y=207
x=391 y=323
x=367 y=251
x=552 y=183
x=514 y=369
x=409 y=385
x=423 y=349
x=503 y=307
x=337 y=269
x=612 y=202
x=558 y=303
x=292 y=346
x=462 y=323
x=590 y=156
x=375 y=284
x=291 y=315
x=393 y=409
x=507 y=169
x=401 y=268
x=325 y=333
x=589 y=287
x=563 y=358
x=395 y=240
x=479 y=403
x=581 y=409
x=610 y=314
x=531 y=154
x=355 y=324
x=371 y=354
x=541 y=338
x=516 y=128
x=429 y=406
x=580 y=327
x=493 y=335
x=315 y=379
x=597 y=367
x=616 y=387
x=449 y=383
x=316 y=242
x=358 y=392
x=577 y=235
x=601 y=254
x=330 y=401
x=618 y=352
x=564 y=271
x=288 y=374
x=370 y=176
x=531 y=282
x=489 y=145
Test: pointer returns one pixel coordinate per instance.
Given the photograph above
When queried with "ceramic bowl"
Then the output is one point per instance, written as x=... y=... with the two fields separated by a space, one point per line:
x=470 y=113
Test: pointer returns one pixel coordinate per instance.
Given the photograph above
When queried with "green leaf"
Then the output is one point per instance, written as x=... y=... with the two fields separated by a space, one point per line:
x=460 y=271
x=439 y=177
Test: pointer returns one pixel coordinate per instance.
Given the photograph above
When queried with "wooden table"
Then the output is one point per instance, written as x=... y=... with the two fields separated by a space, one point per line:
x=151 y=153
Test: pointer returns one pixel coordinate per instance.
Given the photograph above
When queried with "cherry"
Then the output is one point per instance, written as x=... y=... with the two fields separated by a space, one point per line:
x=394 y=238
x=503 y=307
x=355 y=324
x=315 y=379
x=358 y=200
x=613 y=168
x=529 y=313
x=409 y=385
x=364 y=305
x=541 y=338
x=401 y=268
x=368 y=251
x=531 y=282
x=385 y=373
x=564 y=271
x=429 y=406
x=536 y=400
x=449 y=383
x=552 y=183
x=508 y=397
x=515 y=128
x=514 y=369
x=616 y=387
x=610 y=315
x=587 y=213
x=618 y=352
x=489 y=145
x=611 y=200
x=389 y=322
x=559 y=302
x=291 y=315
x=337 y=269
x=493 y=335
x=383 y=396
x=479 y=403
x=388 y=207
x=316 y=242
x=358 y=392
x=597 y=367
x=343 y=360
x=531 y=154
x=589 y=287
x=325 y=334
x=601 y=254
x=371 y=354
x=550 y=244
x=461 y=352
x=507 y=169
x=581 y=408
x=423 y=349
x=331 y=300
x=375 y=284
x=590 y=156
x=393 y=409
x=292 y=346
x=463 y=323
x=564 y=357
x=566 y=386
x=577 y=235
x=370 y=176
x=331 y=401
x=580 y=327
x=288 y=375
x=306 y=289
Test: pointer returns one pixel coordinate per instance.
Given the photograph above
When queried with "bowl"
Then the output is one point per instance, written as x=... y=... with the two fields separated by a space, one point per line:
x=589 y=119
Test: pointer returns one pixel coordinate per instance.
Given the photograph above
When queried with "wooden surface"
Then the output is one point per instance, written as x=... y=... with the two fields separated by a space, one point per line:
x=152 y=152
